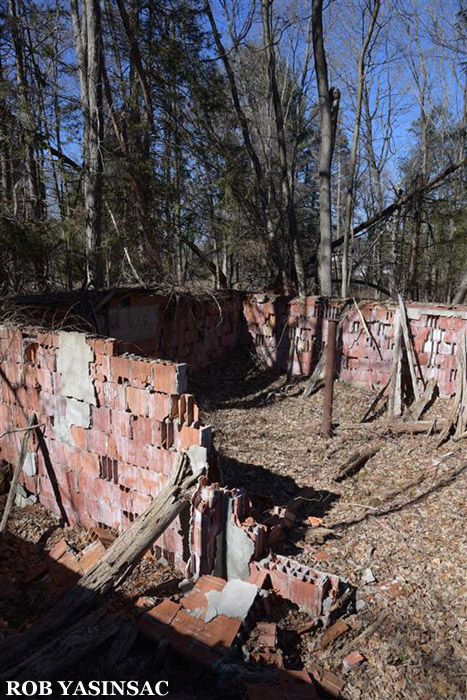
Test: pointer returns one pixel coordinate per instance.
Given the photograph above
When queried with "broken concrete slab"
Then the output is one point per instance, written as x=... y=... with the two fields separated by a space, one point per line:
x=234 y=600
x=239 y=547
x=23 y=498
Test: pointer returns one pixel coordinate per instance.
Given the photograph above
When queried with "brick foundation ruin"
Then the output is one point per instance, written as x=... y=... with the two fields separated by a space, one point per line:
x=113 y=423
x=276 y=324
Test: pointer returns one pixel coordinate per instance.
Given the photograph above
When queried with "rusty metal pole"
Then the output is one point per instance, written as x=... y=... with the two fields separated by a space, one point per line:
x=329 y=376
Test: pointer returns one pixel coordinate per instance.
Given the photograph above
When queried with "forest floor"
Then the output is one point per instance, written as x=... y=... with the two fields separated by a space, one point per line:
x=402 y=517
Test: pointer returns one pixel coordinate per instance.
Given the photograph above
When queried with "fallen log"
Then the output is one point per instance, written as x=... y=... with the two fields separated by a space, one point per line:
x=114 y=566
x=68 y=647
x=356 y=462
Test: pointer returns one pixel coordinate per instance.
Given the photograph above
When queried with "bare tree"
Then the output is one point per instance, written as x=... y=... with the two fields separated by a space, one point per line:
x=88 y=42
x=328 y=107
x=350 y=194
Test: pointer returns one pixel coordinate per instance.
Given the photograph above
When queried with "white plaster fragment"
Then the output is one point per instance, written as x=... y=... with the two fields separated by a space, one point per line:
x=29 y=466
x=73 y=358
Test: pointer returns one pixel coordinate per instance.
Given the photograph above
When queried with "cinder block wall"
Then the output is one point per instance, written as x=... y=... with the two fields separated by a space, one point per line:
x=197 y=331
x=113 y=425
x=292 y=332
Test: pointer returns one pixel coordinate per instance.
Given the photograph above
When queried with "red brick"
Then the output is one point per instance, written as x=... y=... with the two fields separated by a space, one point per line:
x=97 y=441
x=142 y=430
x=80 y=437
x=115 y=396
x=159 y=433
x=165 y=377
x=89 y=463
x=130 y=451
x=160 y=406
x=150 y=482
x=121 y=423
x=137 y=401
x=91 y=555
x=129 y=475
x=140 y=373
x=119 y=369
x=100 y=419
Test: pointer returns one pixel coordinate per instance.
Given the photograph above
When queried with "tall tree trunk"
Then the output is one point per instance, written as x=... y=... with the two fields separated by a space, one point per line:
x=93 y=167
x=287 y=184
x=88 y=43
x=248 y=141
x=33 y=198
x=350 y=194
x=326 y=99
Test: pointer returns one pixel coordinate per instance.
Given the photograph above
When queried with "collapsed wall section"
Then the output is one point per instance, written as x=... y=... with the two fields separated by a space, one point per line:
x=289 y=335
x=111 y=426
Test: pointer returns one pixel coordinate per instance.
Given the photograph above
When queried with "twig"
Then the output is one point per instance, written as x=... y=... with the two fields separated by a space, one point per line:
x=363 y=636
x=20 y=430
x=16 y=475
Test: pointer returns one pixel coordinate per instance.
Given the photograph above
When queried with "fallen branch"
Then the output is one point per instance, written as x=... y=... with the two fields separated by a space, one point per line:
x=114 y=566
x=362 y=637
x=356 y=462
x=374 y=402
x=21 y=430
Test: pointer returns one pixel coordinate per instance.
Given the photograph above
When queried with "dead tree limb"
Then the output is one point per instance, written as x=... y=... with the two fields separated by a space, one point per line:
x=16 y=474
x=355 y=462
x=364 y=636
x=68 y=647
x=114 y=566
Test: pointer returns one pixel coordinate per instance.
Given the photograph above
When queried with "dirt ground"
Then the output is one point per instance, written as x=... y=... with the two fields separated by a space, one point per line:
x=402 y=517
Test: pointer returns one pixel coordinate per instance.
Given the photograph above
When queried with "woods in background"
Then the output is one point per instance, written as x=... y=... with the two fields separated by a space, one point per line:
x=257 y=144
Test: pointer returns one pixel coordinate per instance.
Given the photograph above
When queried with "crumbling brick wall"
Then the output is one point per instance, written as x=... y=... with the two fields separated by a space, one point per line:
x=112 y=425
x=290 y=333
x=181 y=328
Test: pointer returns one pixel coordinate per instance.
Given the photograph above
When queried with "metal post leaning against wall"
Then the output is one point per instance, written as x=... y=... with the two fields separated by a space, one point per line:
x=329 y=376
